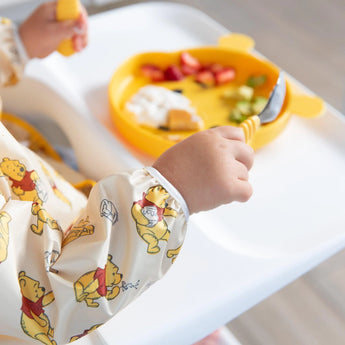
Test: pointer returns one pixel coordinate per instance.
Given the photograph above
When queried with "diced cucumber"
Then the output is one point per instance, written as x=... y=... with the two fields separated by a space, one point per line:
x=258 y=104
x=245 y=92
x=255 y=81
x=244 y=107
x=236 y=116
x=241 y=93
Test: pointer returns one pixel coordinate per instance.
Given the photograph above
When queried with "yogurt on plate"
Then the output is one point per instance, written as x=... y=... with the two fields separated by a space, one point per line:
x=151 y=105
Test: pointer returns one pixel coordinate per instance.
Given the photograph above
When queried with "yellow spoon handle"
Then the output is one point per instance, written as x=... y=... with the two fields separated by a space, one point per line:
x=67 y=10
x=250 y=126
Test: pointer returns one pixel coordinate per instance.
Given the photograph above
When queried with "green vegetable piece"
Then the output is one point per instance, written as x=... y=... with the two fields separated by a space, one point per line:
x=255 y=81
x=245 y=92
x=236 y=116
x=259 y=104
x=244 y=107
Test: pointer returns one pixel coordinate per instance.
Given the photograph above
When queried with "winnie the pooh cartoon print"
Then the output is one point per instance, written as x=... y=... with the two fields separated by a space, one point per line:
x=86 y=332
x=43 y=217
x=101 y=282
x=82 y=228
x=23 y=181
x=5 y=218
x=27 y=186
x=149 y=213
x=173 y=253
x=35 y=323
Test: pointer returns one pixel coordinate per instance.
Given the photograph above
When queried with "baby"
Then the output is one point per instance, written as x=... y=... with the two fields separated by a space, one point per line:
x=69 y=262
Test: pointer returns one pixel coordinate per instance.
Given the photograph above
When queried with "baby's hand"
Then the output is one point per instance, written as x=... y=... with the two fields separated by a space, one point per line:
x=41 y=33
x=210 y=168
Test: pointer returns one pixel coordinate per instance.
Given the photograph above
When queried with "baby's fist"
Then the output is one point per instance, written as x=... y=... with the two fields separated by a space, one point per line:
x=210 y=168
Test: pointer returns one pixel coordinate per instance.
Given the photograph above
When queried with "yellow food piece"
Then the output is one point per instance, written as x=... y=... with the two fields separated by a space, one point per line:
x=181 y=120
x=67 y=10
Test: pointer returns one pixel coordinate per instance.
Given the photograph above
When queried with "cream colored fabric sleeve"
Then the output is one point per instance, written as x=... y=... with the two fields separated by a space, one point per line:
x=68 y=263
x=13 y=57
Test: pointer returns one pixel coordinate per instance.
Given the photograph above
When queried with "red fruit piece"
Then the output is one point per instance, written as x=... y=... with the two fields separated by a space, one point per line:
x=215 y=68
x=153 y=72
x=173 y=73
x=190 y=61
x=187 y=70
x=224 y=76
x=205 y=77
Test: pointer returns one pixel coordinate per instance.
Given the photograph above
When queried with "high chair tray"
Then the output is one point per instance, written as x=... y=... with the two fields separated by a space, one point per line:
x=234 y=256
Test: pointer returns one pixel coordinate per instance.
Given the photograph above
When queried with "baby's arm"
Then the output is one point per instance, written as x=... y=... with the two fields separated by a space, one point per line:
x=113 y=255
x=109 y=260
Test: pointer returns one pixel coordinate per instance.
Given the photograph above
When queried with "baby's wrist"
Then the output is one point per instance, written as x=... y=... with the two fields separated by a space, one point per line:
x=174 y=193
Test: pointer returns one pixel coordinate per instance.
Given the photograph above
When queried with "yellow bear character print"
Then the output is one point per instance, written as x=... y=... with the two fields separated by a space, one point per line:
x=5 y=218
x=23 y=181
x=83 y=228
x=101 y=282
x=43 y=217
x=86 y=332
x=173 y=253
x=35 y=323
x=149 y=213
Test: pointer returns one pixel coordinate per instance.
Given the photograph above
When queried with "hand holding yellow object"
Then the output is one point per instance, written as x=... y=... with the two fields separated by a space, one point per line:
x=67 y=10
x=49 y=25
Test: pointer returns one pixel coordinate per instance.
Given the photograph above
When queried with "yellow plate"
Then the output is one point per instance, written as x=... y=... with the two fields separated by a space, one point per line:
x=233 y=51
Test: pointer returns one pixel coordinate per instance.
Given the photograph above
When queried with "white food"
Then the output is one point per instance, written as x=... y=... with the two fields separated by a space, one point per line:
x=151 y=105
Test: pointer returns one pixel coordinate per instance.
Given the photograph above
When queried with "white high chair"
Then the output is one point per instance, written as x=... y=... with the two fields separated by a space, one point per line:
x=233 y=257
x=98 y=153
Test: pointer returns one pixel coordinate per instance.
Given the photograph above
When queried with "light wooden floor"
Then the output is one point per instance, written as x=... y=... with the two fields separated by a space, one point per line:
x=310 y=311
x=307 y=39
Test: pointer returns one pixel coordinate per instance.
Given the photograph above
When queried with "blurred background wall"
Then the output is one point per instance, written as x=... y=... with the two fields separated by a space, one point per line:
x=304 y=37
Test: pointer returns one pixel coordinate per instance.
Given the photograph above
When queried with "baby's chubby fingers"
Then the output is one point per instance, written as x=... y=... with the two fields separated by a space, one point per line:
x=230 y=132
x=74 y=27
x=80 y=38
x=241 y=151
x=244 y=154
x=243 y=190
x=240 y=171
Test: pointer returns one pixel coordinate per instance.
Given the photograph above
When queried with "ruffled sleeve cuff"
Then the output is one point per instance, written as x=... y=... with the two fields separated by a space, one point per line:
x=170 y=188
x=13 y=56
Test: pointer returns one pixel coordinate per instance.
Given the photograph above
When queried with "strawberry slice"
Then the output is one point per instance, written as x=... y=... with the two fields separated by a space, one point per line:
x=173 y=73
x=190 y=61
x=205 y=77
x=215 y=68
x=187 y=70
x=224 y=76
x=153 y=72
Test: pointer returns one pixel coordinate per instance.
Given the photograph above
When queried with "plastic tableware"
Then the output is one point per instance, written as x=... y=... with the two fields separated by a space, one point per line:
x=233 y=50
x=270 y=111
